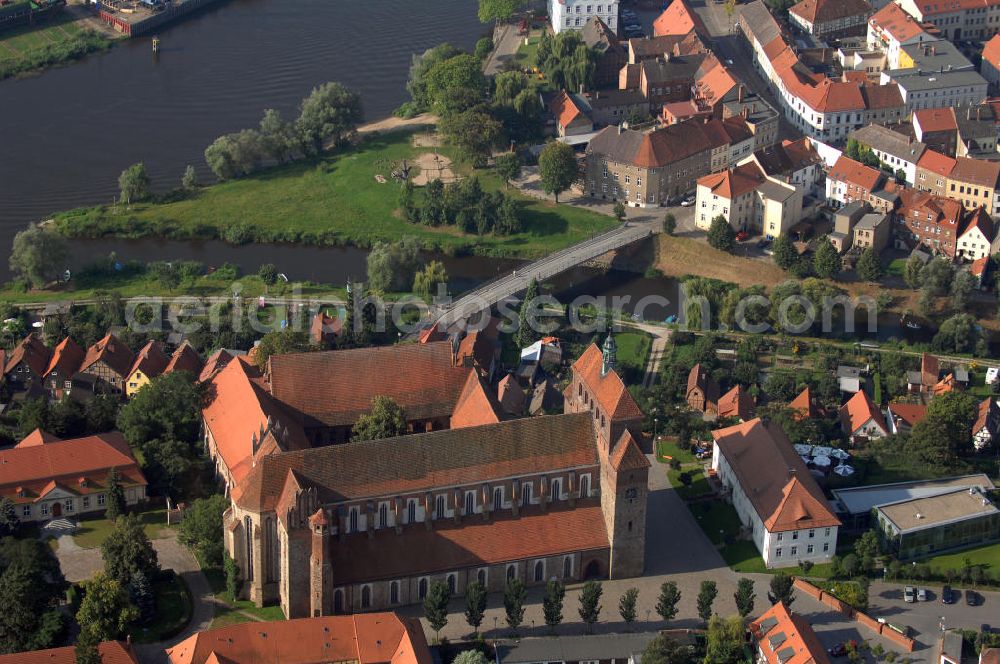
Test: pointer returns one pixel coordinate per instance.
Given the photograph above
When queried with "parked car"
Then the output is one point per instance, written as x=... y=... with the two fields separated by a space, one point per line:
x=909 y=594
x=947 y=595
x=687 y=202
x=972 y=598
x=742 y=236
x=921 y=594
x=633 y=27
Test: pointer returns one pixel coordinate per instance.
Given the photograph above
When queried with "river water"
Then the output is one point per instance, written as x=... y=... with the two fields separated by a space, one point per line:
x=66 y=134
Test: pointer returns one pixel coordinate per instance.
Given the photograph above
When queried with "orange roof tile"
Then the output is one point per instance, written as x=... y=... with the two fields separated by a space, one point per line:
x=627 y=455
x=979 y=220
x=323 y=326
x=32 y=352
x=978 y=267
x=936 y=162
x=734 y=182
x=112 y=352
x=909 y=413
x=894 y=20
x=185 y=358
x=150 y=360
x=737 y=402
x=852 y=172
x=471 y=543
x=930 y=368
x=37 y=437
x=564 y=108
x=66 y=359
x=366 y=638
x=678 y=19
x=858 y=410
x=607 y=389
x=112 y=652
x=216 y=362
x=474 y=406
x=773 y=476
x=699 y=378
x=991 y=51
x=936 y=119
x=823 y=11
x=806 y=406
x=946 y=384
x=798 y=643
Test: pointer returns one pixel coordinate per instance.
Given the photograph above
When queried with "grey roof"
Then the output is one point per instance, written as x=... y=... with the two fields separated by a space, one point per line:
x=940 y=55
x=861 y=499
x=845 y=371
x=919 y=82
x=760 y=21
x=684 y=66
x=851 y=209
x=574 y=648
x=870 y=222
x=951 y=644
x=606 y=98
x=891 y=142
x=775 y=191
x=916 y=514
x=975 y=122
x=596 y=34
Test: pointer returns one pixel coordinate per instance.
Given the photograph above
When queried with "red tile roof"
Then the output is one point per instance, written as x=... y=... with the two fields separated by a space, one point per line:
x=472 y=543
x=991 y=52
x=936 y=162
x=475 y=406
x=627 y=455
x=216 y=362
x=36 y=468
x=37 y=437
x=420 y=462
x=737 y=402
x=335 y=387
x=185 y=358
x=366 y=638
x=734 y=182
x=150 y=360
x=848 y=171
x=324 y=326
x=894 y=20
x=66 y=359
x=823 y=11
x=930 y=368
x=936 y=119
x=112 y=652
x=678 y=19
x=978 y=267
x=806 y=406
x=976 y=171
x=798 y=643
x=950 y=6
x=608 y=390
x=32 y=352
x=699 y=378
x=909 y=413
x=979 y=219
x=564 y=108
x=858 y=410
x=112 y=352
x=773 y=477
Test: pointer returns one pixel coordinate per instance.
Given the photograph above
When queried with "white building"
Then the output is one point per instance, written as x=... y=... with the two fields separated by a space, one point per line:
x=890 y=29
x=573 y=14
x=958 y=19
x=779 y=503
x=748 y=200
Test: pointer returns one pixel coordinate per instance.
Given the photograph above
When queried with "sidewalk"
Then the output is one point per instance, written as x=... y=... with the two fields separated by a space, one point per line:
x=506 y=43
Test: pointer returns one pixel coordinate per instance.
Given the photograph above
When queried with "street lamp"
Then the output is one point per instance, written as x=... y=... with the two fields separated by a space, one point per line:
x=494 y=623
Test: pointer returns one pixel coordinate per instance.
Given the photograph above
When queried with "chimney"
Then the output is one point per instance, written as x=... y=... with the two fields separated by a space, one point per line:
x=739 y=94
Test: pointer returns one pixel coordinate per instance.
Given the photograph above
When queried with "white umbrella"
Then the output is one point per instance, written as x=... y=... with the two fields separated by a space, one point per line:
x=822 y=451
x=821 y=460
x=840 y=454
x=844 y=470
x=805 y=458
x=801 y=448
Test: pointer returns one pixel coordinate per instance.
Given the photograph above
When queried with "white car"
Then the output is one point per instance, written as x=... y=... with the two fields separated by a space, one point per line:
x=909 y=594
x=687 y=202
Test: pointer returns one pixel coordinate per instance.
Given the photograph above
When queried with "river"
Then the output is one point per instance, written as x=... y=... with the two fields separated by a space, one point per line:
x=67 y=133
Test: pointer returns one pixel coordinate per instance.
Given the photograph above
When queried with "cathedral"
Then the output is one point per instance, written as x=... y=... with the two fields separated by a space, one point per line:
x=323 y=527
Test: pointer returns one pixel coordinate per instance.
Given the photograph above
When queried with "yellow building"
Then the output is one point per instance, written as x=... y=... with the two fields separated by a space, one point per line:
x=149 y=363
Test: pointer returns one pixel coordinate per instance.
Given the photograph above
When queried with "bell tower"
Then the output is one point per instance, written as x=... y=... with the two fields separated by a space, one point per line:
x=624 y=492
x=609 y=354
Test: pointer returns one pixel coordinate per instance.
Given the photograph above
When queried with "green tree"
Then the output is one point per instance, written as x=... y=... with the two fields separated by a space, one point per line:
x=724 y=640
x=470 y=657
x=280 y=342
x=627 y=606
x=140 y=592
x=666 y=604
x=590 y=603
x=869 y=266
x=85 y=650
x=867 y=546
x=391 y=266
x=328 y=114
x=498 y=10
x=706 y=597
x=744 y=596
x=461 y=72
x=201 y=528
x=936 y=276
x=25 y=622
x=552 y=604
x=114 y=496
x=664 y=650
x=420 y=67
x=721 y=235
x=962 y=287
x=127 y=550
x=508 y=166
x=945 y=433
x=826 y=261
x=557 y=168
x=232 y=574
x=38 y=254
x=525 y=335
x=105 y=611
x=781 y=589
x=853 y=149
x=386 y=419
x=219 y=157
x=268 y=273
x=619 y=211
x=484 y=46
x=785 y=254
x=436 y=606
x=959 y=334
x=669 y=223
x=473 y=132
x=513 y=603
x=426 y=281
x=134 y=183
x=912 y=272
x=9 y=523
x=475 y=604
x=276 y=136
x=189 y=181
x=169 y=406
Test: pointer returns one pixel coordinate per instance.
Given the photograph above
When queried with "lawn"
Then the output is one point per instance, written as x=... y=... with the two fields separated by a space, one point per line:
x=699 y=483
x=742 y=556
x=896 y=267
x=173 y=609
x=988 y=556
x=669 y=448
x=229 y=612
x=334 y=200
x=633 y=349
x=34 y=46
x=92 y=532
x=718 y=519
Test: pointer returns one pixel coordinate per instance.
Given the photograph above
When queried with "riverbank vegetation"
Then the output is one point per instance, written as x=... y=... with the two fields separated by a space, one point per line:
x=336 y=199
x=34 y=47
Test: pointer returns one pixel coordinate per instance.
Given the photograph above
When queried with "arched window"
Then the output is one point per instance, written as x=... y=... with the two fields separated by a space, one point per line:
x=451 y=583
x=394 y=592
x=439 y=508
x=539 y=570
x=470 y=502
x=411 y=511
x=481 y=577
x=556 y=489
x=511 y=571
x=497 y=499
x=383 y=515
x=366 y=597
x=526 y=494
x=338 y=601
x=585 y=486
x=352 y=526
x=567 y=567
x=422 y=588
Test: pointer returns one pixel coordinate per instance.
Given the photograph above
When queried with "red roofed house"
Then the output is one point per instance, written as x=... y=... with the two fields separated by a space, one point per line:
x=775 y=496
x=149 y=363
x=785 y=638
x=324 y=529
x=371 y=638
x=185 y=358
x=47 y=478
x=679 y=19
x=990 y=68
x=111 y=652
x=850 y=181
x=937 y=128
x=928 y=221
x=977 y=238
x=27 y=363
x=66 y=360
x=861 y=420
x=806 y=406
x=987 y=424
x=106 y=366
x=736 y=403
x=324 y=329
x=902 y=417
x=957 y=19
x=702 y=391
x=890 y=29
x=748 y=200
x=831 y=18
x=570 y=117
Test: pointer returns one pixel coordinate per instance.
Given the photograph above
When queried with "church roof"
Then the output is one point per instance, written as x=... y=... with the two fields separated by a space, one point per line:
x=608 y=389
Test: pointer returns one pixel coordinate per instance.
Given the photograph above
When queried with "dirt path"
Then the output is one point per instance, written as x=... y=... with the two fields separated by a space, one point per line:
x=393 y=123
